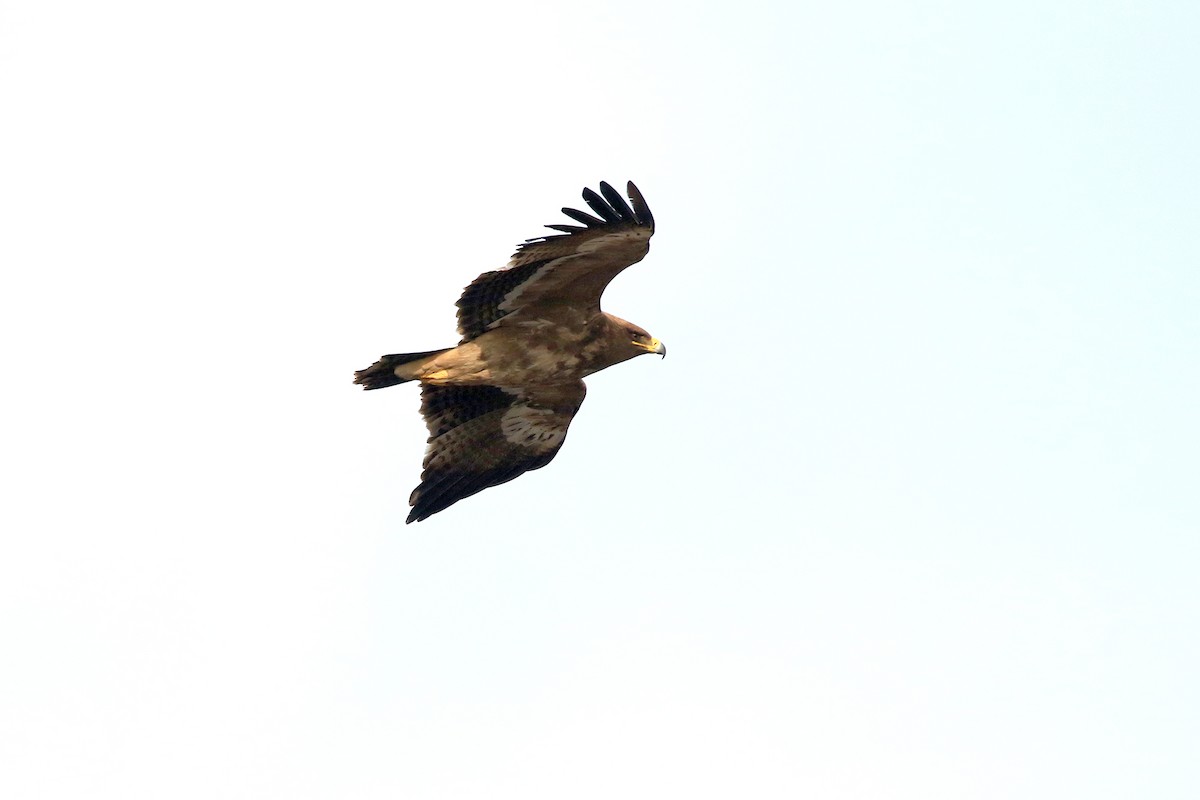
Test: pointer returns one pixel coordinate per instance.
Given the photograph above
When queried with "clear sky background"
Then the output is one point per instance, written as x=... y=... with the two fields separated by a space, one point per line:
x=910 y=511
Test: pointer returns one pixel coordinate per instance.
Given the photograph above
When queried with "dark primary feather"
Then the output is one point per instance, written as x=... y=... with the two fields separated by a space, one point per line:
x=580 y=216
x=541 y=261
x=616 y=206
x=616 y=201
x=597 y=204
x=641 y=211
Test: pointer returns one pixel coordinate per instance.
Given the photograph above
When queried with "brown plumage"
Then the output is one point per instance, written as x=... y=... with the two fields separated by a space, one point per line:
x=499 y=403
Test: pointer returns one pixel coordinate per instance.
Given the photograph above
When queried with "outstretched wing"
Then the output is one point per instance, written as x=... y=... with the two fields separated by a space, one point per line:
x=482 y=436
x=560 y=277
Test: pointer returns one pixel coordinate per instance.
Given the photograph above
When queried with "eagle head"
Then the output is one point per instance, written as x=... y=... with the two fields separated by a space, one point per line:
x=643 y=342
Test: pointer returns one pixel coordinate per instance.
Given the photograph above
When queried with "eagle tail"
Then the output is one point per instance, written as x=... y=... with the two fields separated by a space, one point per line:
x=382 y=373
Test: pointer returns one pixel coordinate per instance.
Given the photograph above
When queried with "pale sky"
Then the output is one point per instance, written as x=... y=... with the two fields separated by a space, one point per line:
x=910 y=511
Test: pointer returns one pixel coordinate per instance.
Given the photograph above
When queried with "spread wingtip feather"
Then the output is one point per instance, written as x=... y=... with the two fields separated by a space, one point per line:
x=613 y=209
x=597 y=204
x=641 y=211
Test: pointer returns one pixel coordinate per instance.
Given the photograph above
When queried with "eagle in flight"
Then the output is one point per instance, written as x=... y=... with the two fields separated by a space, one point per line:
x=499 y=404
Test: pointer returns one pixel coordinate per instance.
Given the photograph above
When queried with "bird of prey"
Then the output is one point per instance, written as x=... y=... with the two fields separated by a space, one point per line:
x=499 y=404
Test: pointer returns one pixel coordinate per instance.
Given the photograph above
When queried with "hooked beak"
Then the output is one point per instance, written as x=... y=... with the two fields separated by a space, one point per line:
x=653 y=346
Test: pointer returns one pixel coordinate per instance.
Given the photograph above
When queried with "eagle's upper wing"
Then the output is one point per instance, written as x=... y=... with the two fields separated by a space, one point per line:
x=561 y=277
x=481 y=436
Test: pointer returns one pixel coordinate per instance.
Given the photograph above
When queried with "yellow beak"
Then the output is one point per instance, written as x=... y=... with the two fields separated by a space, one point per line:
x=654 y=346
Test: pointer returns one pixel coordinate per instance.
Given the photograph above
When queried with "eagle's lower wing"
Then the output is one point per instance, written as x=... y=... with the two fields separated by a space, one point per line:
x=481 y=436
x=561 y=277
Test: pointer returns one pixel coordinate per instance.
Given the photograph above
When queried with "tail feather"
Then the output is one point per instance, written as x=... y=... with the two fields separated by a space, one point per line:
x=382 y=373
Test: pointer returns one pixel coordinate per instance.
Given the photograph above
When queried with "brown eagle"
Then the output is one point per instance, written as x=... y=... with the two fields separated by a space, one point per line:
x=499 y=403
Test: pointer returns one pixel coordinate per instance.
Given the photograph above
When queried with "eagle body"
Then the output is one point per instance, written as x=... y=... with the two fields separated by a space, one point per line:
x=528 y=355
x=499 y=403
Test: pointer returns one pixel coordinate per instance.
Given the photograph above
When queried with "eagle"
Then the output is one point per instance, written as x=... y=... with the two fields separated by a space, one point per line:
x=499 y=403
